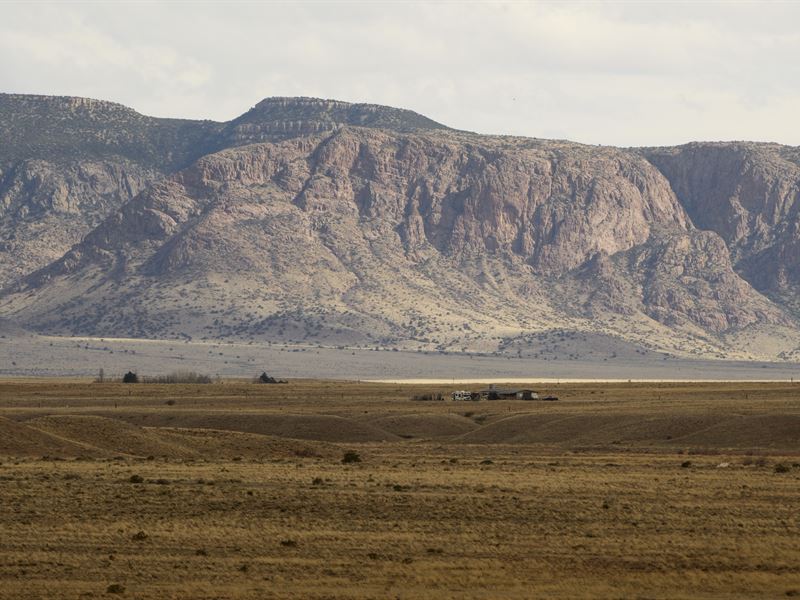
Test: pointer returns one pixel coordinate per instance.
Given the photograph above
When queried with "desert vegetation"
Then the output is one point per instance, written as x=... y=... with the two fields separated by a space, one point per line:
x=353 y=490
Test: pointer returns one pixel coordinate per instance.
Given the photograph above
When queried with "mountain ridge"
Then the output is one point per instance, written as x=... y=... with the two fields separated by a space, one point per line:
x=387 y=220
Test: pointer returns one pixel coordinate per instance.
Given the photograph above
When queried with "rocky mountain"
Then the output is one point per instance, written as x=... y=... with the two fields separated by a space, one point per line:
x=749 y=194
x=325 y=222
x=66 y=163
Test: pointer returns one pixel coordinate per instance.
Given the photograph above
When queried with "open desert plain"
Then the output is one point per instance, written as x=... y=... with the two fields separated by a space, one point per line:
x=334 y=489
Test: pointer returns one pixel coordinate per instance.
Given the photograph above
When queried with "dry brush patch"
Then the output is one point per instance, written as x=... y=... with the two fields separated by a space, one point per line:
x=407 y=521
x=426 y=512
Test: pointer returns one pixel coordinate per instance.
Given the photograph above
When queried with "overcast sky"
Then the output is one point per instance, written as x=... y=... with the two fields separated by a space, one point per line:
x=614 y=73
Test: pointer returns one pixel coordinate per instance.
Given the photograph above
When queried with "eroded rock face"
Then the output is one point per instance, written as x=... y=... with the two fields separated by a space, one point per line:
x=554 y=206
x=316 y=220
x=750 y=195
x=45 y=208
x=66 y=163
x=275 y=119
x=689 y=276
x=345 y=234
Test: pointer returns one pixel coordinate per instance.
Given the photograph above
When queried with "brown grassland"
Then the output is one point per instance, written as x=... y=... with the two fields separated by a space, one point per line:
x=238 y=490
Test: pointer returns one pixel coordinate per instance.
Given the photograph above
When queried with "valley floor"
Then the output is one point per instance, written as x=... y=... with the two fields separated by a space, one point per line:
x=42 y=356
x=238 y=490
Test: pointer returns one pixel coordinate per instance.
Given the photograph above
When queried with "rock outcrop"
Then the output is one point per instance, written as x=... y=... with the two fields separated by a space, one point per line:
x=325 y=222
x=750 y=195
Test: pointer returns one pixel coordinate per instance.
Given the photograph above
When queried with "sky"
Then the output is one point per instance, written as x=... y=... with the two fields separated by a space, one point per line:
x=617 y=73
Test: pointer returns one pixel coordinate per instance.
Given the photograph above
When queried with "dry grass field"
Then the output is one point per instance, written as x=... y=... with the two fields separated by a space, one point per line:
x=237 y=490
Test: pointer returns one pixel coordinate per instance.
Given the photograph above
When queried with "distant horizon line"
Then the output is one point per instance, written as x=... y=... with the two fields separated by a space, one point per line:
x=388 y=106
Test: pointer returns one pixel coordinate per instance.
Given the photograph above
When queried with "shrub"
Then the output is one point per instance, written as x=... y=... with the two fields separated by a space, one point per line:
x=781 y=468
x=130 y=377
x=115 y=588
x=136 y=479
x=351 y=457
x=264 y=378
x=686 y=464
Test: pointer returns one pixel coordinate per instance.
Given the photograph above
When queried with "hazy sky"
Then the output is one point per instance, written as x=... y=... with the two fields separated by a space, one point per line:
x=614 y=73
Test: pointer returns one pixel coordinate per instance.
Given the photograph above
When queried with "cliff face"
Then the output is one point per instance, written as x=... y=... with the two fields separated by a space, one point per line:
x=553 y=208
x=45 y=208
x=750 y=195
x=66 y=163
x=275 y=119
x=346 y=235
x=327 y=222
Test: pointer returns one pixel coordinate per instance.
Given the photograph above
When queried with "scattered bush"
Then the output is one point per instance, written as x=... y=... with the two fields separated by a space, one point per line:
x=139 y=536
x=136 y=479
x=115 y=588
x=288 y=543
x=264 y=378
x=686 y=464
x=782 y=468
x=350 y=457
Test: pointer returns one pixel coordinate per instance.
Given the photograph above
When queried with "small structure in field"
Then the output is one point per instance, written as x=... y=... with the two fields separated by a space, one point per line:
x=465 y=396
x=494 y=393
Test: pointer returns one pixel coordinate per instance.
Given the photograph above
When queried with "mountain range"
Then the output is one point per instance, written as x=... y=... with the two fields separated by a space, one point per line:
x=324 y=222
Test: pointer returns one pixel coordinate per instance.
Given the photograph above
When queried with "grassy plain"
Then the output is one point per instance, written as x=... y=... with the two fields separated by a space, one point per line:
x=237 y=490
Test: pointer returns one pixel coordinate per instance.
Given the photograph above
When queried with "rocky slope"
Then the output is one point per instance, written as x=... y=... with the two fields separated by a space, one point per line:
x=324 y=222
x=66 y=163
x=750 y=195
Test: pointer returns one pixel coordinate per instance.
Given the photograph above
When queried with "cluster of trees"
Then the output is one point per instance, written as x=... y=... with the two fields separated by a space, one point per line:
x=264 y=378
x=175 y=377
x=180 y=377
